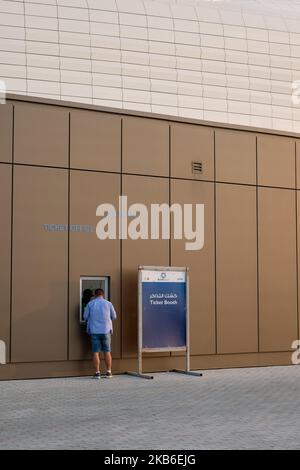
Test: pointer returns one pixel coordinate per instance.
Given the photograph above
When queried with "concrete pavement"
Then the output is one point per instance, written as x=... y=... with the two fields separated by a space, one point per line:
x=226 y=409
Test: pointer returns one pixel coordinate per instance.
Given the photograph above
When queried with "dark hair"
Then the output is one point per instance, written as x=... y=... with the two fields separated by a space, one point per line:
x=99 y=292
x=87 y=294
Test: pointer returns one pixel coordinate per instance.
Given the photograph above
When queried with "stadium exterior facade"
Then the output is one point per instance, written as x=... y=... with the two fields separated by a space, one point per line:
x=118 y=98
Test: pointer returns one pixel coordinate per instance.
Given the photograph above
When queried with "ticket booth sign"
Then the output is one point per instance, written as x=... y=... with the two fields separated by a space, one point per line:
x=163 y=314
x=163 y=310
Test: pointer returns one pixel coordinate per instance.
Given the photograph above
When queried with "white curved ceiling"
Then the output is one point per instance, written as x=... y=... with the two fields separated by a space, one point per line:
x=232 y=61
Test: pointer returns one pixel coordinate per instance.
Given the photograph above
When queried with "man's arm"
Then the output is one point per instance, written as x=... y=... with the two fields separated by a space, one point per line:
x=86 y=313
x=113 y=314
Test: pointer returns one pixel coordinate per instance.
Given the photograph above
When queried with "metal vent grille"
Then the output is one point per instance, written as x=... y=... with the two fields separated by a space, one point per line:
x=197 y=168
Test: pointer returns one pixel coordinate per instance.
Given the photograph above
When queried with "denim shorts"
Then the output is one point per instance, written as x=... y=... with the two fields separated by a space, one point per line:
x=101 y=343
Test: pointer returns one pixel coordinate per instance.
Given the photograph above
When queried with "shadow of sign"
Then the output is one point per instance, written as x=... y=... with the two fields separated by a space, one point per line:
x=2 y=353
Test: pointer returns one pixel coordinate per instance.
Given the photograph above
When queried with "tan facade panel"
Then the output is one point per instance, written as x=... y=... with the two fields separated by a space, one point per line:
x=95 y=141
x=135 y=253
x=41 y=135
x=277 y=269
x=40 y=265
x=6 y=130
x=190 y=144
x=5 y=253
x=235 y=157
x=201 y=264
x=90 y=256
x=276 y=161
x=237 y=306
x=145 y=146
x=243 y=283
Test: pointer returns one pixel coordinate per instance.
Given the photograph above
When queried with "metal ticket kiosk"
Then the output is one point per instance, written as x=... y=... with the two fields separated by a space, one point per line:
x=88 y=285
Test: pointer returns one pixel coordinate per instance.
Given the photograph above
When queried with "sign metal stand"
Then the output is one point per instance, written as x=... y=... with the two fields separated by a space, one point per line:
x=141 y=349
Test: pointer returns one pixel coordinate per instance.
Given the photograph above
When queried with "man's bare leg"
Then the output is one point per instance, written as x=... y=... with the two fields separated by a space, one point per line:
x=96 y=361
x=108 y=361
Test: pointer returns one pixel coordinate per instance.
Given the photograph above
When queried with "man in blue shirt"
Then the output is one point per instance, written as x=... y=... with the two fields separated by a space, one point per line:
x=99 y=315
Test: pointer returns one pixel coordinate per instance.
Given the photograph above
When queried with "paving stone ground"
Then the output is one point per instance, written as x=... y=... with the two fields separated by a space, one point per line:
x=226 y=409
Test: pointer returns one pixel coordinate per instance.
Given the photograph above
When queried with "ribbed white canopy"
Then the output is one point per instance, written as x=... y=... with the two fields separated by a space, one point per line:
x=233 y=61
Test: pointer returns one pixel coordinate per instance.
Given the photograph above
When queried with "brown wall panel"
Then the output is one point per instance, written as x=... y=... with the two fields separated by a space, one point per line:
x=145 y=146
x=201 y=264
x=95 y=141
x=40 y=316
x=235 y=157
x=41 y=135
x=6 y=130
x=237 y=309
x=90 y=256
x=40 y=265
x=276 y=161
x=144 y=190
x=192 y=144
x=5 y=253
x=277 y=269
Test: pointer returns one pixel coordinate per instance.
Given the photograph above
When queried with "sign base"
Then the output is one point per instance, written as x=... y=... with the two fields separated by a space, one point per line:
x=187 y=372
x=141 y=376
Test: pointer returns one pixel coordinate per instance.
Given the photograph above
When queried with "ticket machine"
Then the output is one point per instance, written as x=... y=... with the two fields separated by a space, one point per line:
x=88 y=285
